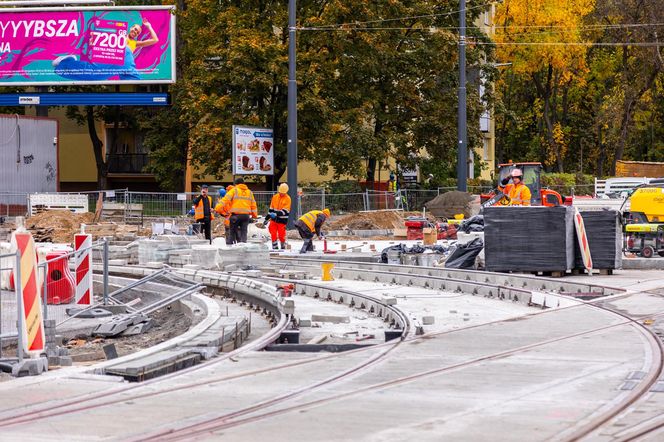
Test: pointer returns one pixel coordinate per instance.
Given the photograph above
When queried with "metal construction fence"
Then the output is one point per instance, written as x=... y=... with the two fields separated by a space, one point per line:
x=58 y=280
x=140 y=207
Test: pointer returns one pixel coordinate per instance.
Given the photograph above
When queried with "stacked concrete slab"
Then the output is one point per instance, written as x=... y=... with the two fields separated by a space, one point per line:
x=157 y=250
x=243 y=255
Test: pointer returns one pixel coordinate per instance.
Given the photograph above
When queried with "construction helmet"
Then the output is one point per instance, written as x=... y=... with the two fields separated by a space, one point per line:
x=222 y=192
x=326 y=212
x=517 y=173
x=283 y=188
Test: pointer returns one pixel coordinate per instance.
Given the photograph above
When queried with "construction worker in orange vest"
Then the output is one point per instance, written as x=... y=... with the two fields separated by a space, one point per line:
x=223 y=212
x=240 y=203
x=309 y=224
x=278 y=214
x=203 y=213
x=518 y=194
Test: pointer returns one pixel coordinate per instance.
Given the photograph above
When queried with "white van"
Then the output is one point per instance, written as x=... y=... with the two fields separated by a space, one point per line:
x=618 y=187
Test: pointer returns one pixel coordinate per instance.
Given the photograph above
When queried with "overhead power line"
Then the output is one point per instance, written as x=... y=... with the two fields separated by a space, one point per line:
x=553 y=28
x=574 y=43
x=412 y=17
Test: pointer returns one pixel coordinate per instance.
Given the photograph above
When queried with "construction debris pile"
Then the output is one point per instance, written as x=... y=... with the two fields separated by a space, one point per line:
x=448 y=204
x=57 y=225
x=383 y=220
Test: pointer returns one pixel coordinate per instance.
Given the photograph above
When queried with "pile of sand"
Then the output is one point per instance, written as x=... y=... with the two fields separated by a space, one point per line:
x=61 y=224
x=382 y=220
x=448 y=204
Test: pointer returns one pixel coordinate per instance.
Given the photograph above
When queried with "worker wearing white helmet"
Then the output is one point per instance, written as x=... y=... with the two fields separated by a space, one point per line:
x=517 y=192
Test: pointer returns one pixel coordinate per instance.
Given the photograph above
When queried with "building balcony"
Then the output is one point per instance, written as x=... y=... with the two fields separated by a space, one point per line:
x=128 y=163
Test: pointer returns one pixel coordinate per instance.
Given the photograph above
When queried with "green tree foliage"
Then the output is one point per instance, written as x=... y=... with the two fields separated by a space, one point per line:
x=366 y=93
x=605 y=100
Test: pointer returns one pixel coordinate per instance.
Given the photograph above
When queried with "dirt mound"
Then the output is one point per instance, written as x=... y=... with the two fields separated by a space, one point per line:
x=447 y=204
x=62 y=224
x=384 y=220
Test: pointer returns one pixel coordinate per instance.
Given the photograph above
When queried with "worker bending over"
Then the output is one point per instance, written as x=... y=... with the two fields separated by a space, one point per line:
x=310 y=223
x=240 y=203
x=203 y=212
x=517 y=192
x=279 y=212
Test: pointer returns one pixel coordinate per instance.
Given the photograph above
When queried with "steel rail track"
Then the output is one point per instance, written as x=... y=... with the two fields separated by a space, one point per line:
x=534 y=283
x=303 y=286
x=211 y=425
x=49 y=409
x=390 y=346
x=401 y=319
x=267 y=403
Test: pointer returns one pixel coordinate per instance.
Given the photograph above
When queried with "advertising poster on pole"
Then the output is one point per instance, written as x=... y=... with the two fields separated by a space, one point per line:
x=87 y=45
x=252 y=151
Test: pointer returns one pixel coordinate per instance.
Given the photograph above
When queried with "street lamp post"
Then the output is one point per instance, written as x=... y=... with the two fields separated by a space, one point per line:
x=292 y=112
x=462 y=152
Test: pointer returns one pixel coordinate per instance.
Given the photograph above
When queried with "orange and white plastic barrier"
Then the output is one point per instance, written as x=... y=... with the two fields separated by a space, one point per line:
x=32 y=328
x=583 y=240
x=83 y=268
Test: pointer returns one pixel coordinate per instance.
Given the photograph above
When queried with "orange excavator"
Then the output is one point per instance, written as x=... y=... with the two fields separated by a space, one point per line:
x=531 y=177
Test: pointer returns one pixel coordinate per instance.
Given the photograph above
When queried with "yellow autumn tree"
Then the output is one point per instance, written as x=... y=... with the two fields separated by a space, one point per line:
x=542 y=39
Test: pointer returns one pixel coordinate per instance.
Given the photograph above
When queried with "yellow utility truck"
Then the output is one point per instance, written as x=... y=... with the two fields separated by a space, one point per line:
x=644 y=222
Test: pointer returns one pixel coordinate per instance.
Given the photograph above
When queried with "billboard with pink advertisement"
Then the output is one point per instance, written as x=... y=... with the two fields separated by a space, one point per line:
x=114 y=45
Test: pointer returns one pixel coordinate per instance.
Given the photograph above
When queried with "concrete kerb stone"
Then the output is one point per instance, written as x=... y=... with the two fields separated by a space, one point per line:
x=528 y=282
x=264 y=291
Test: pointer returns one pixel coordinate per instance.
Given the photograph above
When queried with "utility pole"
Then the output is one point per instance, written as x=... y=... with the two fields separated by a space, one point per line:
x=462 y=153
x=292 y=113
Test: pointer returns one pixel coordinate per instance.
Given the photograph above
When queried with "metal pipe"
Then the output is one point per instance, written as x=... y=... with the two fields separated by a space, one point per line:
x=292 y=107
x=45 y=290
x=169 y=299
x=105 y=271
x=19 y=306
x=462 y=153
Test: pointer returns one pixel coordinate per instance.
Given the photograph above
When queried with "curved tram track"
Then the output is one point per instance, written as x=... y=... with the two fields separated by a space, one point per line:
x=477 y=283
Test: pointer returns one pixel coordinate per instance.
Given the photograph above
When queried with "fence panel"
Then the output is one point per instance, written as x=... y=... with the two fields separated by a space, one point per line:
x=382 y=200
x=263 y=200
x=7 y=300
x=13 y=204
x=415 y=199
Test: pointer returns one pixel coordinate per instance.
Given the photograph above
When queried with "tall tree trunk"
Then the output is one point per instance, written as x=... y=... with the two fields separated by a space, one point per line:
x=501 y=132
x=371 y=173
x=544 y=91
x=97 y=146
x=629 y=105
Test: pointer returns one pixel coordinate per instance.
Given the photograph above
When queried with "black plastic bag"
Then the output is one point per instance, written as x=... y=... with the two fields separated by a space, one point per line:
x=465 y=254
x=472 y=224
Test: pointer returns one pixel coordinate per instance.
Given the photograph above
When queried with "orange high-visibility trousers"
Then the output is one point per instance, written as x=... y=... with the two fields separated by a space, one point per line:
x=277 y=230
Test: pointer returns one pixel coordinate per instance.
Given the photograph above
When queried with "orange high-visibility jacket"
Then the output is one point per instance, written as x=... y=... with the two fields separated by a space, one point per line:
x=519 y=194
x=240 y=200
x=221 y=210
x=281 y=205
x=199 y=212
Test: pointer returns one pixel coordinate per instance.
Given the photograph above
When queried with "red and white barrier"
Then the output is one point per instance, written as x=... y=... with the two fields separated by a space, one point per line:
x=33 y=323
x=583 y=240
x=83 y=268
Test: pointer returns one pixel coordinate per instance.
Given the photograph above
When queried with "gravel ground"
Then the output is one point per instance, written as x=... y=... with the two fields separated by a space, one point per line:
x=167 y=324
